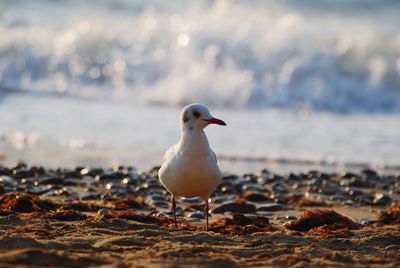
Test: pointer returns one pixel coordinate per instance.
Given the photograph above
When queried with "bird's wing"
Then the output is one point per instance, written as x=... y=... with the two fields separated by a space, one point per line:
x=168 y=153
x=215 y=156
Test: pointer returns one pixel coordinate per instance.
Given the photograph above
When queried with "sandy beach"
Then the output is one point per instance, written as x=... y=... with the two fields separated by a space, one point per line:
x=118 y=217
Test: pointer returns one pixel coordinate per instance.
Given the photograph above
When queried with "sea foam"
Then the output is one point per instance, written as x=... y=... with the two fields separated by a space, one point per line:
x=329 y=56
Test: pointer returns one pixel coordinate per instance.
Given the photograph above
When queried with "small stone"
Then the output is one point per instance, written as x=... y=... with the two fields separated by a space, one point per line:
x=328 y=190
x=5 y=171
x=293 y=177
x=354 y=191
x=21 y=174
x=128 y=181
x=219 y=199
x=160 y=204
x=364 y=221
x=193 y=200
x=230 y=177
x=103 y=211
x=255 y=197
x=348 y=175
x=349 y=203
x=250 y=177
x=106 y=177
x=196 y=215
x=393 y=247
x=241 y=207
x=38 y=190
x=53 y=181
x=89 y=196
x=279 y=188
x=270 y=207
x=179 y=212
x=254 y=188
x=353 y=181
x=370 y=173
x=72 y=174
x=8 y=181
x=162 y=214
x=381 y=199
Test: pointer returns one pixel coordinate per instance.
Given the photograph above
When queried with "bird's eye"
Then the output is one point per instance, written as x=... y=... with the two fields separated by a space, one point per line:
x=196 y=114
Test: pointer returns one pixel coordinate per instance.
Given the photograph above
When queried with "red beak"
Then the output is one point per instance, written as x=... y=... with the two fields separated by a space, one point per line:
x=215 y=121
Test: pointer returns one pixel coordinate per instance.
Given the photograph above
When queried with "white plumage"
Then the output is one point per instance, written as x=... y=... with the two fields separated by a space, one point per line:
x=190 y=167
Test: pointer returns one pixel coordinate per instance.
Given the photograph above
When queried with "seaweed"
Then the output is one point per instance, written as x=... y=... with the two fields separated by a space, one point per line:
x=391 y=216
x=62 y=215
x=129 y=203
x=331 y=231
x=130 y=215
x=241 y=224
x=313 y=218
x=25 y=203
x=80 y=206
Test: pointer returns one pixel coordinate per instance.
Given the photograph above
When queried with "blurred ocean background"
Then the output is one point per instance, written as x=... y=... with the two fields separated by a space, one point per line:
x=102 y=82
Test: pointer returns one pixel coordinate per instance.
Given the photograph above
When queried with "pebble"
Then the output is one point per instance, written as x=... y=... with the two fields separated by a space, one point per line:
x=279 y=188
x=230 y=177
x=89 y=196
x=256 y=197
x=381 y=199
x=353 y=181
x=269 y=191
x=193 y=200
x=179 y=212
x=103 y=211
x=38 y=190
x=329 y=190
x=197 y=215
x=293 y=177
x=354 y=191
x=364 y=221
x=160 y=204
x=104 y=177
x=271 y=207
x=370 y=172
x=235 y=207
x=53 y=181
x=8 y=181
x=254 y=187
x=5 y=171
x=393 y=247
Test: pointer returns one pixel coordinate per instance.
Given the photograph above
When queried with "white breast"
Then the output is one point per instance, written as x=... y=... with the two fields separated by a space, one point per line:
x=190 y=168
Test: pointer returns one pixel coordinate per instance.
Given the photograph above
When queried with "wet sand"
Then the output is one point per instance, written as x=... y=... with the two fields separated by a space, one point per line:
x=60 y=221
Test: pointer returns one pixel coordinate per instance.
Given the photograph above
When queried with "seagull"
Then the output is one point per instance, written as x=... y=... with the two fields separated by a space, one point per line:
x=190 y=167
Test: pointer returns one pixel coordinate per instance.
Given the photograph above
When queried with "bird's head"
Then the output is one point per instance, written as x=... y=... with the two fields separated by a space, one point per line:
x=197 y=116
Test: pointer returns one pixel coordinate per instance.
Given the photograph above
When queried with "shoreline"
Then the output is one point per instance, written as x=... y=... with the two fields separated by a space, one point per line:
x=230 y=164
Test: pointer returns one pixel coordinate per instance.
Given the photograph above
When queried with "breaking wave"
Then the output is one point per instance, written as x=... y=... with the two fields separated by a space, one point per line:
x=332 y=56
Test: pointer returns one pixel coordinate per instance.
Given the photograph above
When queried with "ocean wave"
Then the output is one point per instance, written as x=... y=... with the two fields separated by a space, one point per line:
x=222 y=53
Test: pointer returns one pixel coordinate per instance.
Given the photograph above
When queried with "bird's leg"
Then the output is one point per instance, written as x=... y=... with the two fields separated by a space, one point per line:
x=174 y=210
x=206 y=213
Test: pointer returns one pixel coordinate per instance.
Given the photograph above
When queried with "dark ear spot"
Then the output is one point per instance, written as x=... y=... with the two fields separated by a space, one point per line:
x=185 y=117
x=196 y=114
